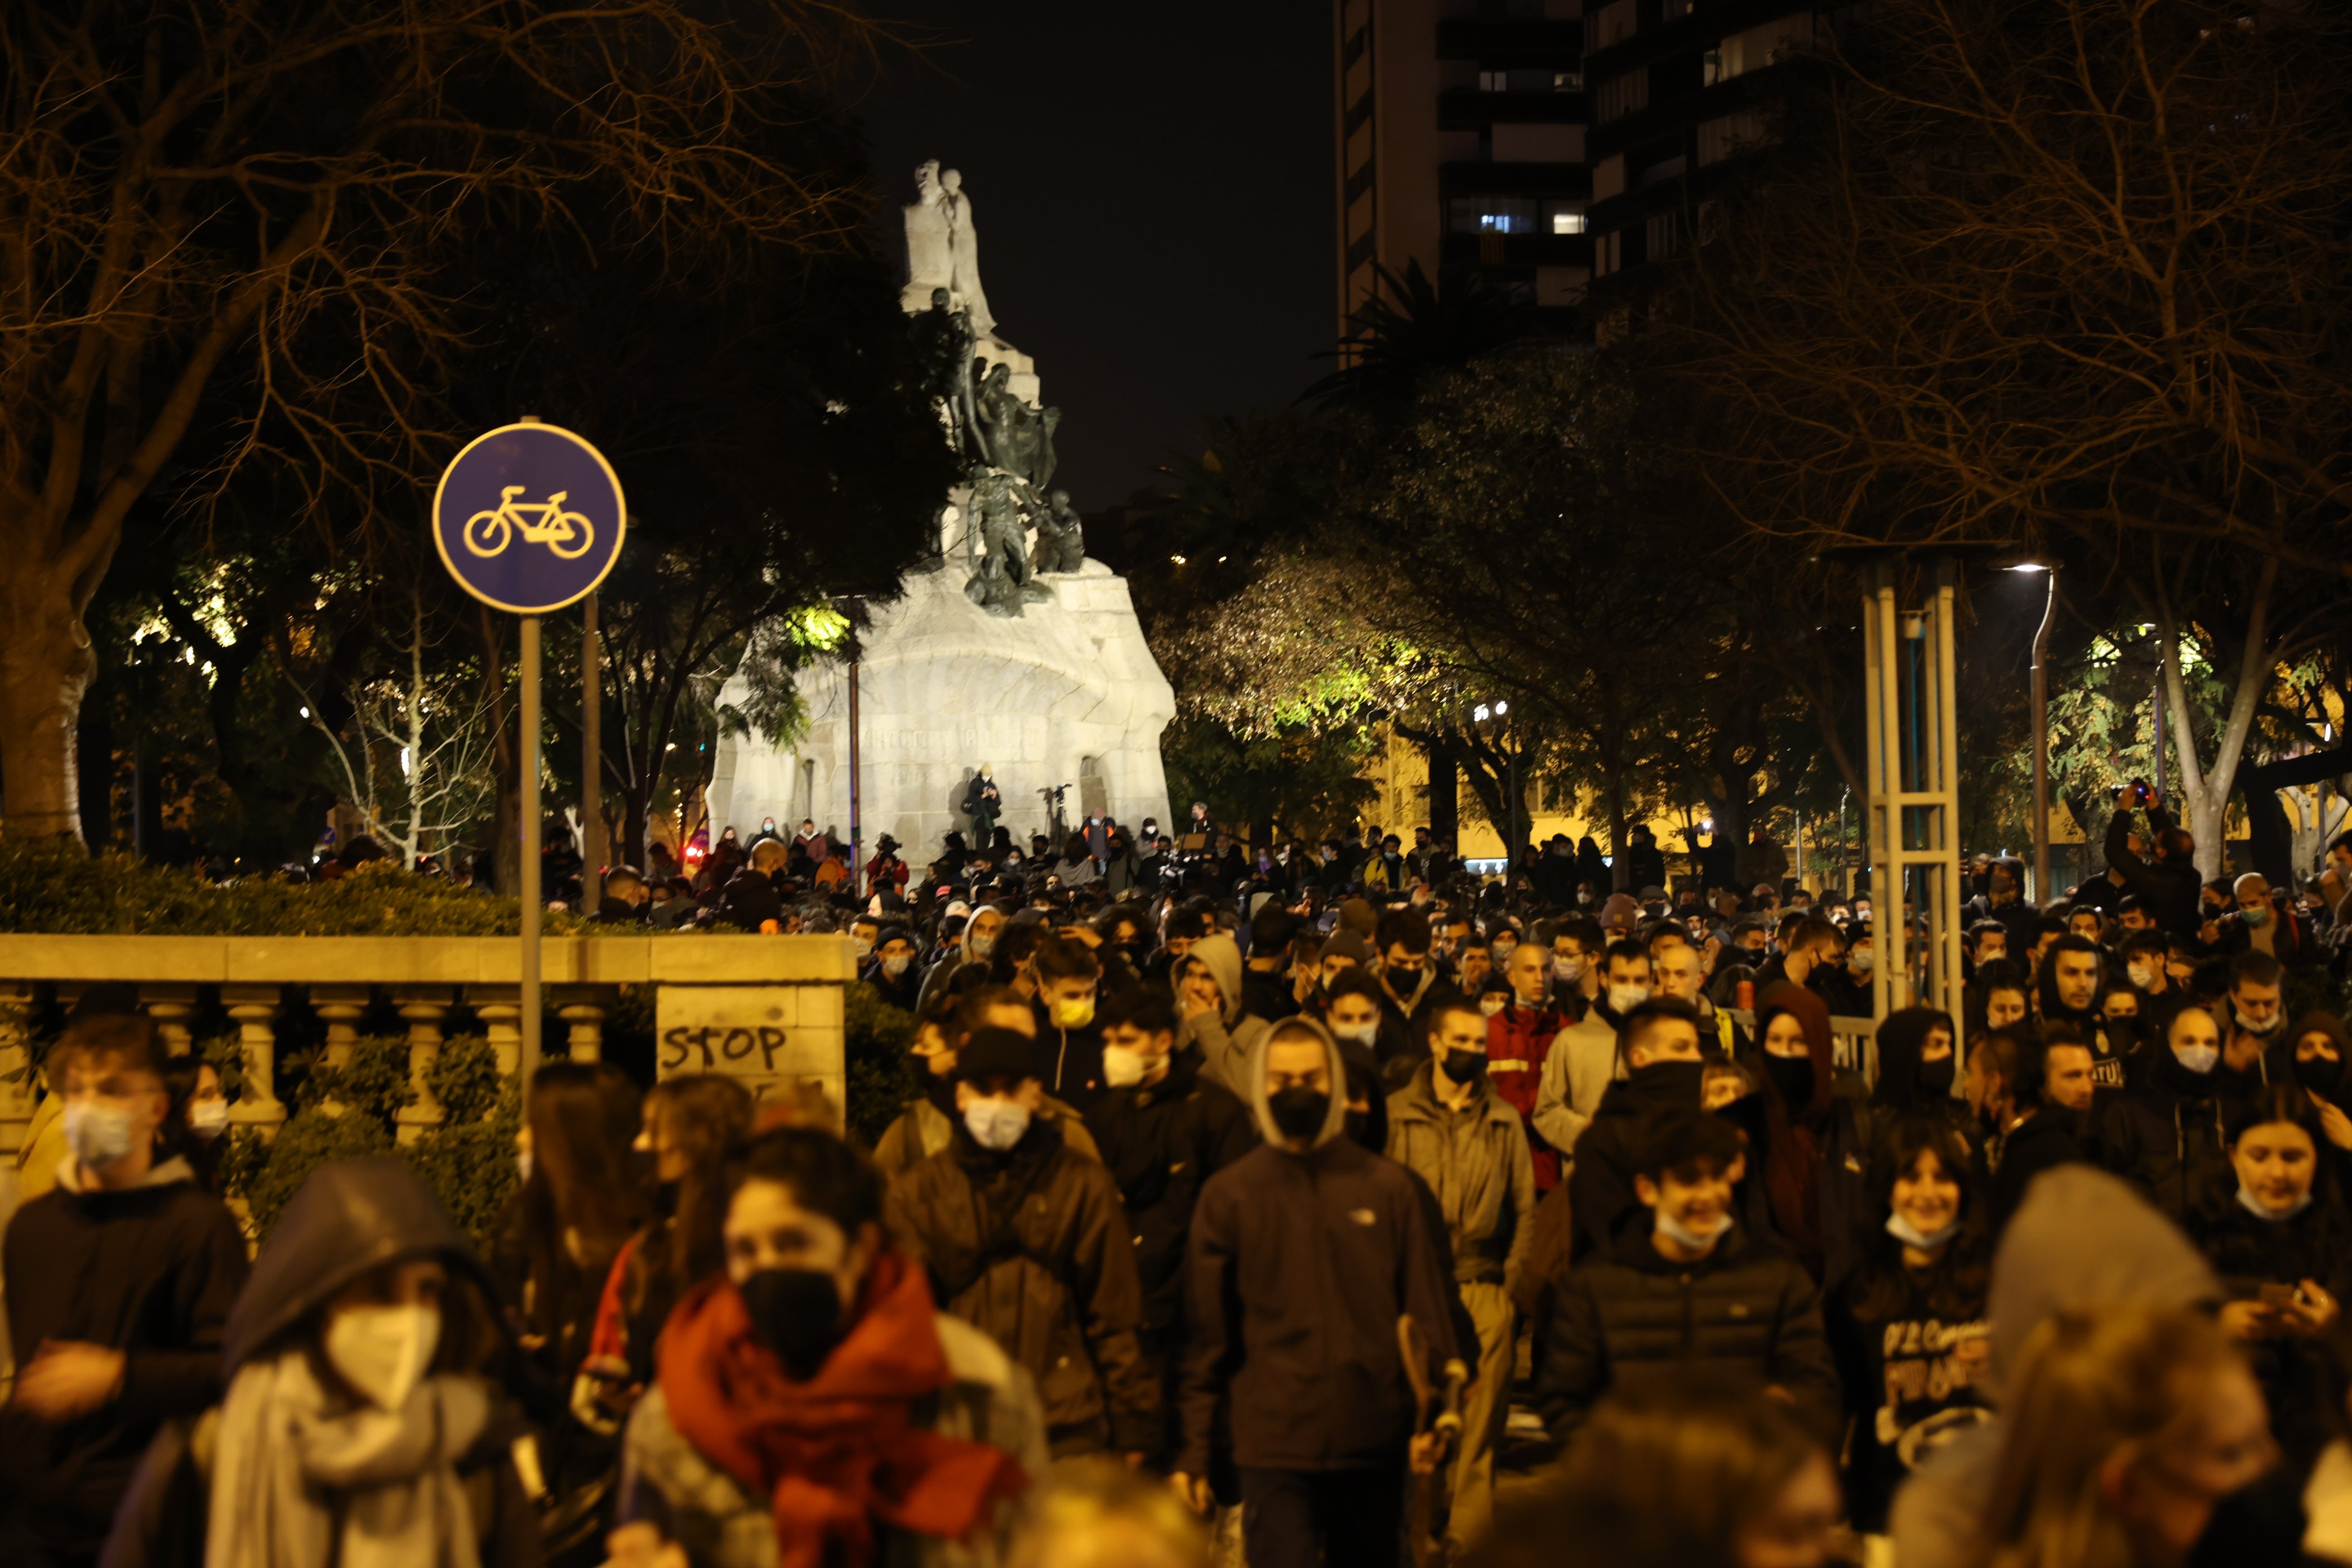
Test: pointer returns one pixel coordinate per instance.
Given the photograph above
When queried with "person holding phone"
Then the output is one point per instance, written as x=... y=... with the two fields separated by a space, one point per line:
x=2159 y=865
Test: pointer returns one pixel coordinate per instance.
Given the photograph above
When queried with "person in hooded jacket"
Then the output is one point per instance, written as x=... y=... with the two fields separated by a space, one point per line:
x=1793 y=1032
x=1659 y=1044
x=1302 y=1256
x=120 y=1279
x=359 y=1425
x=813 y=1408
x=1026 y=1238
x=1163 y=1129
x=1219 y=1026
x=1917 y=1074
x=2170 y=1134
x=2322 y=1048
x=1908 y=1324
x=2282 y=1244
x=928 y=1124
x=2067 y=990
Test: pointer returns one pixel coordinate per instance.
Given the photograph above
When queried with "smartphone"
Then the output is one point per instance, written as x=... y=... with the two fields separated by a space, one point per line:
x=2274 y=1294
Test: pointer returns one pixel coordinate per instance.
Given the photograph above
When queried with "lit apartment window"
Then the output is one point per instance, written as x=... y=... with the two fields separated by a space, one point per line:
x=1492 y=214
x=1563 y=219
x=1567 y=81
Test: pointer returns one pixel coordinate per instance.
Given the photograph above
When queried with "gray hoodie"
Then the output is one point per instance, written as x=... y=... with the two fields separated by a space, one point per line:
x=2083 y=1238
x=1228 y=1037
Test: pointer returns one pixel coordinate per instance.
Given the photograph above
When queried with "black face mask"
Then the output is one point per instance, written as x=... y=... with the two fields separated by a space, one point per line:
x=2320 y=1074
x=795 y=1313
x=1359 y=1129
x=1299 y=1111
x=1683 y=1080
x=1793 y=1076
x=1465 y=1066
x=1935 y=1078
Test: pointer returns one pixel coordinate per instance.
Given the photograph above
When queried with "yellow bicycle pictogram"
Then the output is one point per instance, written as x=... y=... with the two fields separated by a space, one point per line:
x=566 y=534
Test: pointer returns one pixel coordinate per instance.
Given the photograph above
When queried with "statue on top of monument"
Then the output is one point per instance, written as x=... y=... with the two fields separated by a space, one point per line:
x=1017 y=438
x=943 y=347
x=1003 y=580
x=1061 y=536
x=931 y=264
x=963 y=254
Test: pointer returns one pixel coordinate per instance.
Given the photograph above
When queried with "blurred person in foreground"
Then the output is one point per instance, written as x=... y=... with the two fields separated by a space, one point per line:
x=1098 y=1513
x=1677 y=1476
x=811 y=1407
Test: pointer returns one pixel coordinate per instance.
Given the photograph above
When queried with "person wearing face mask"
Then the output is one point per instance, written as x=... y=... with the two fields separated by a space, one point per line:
x=1520 y=1038
x=2146 y=959
x=983 y=930
x=121 y=1278
x=814 y=1405
x=1690 y=1295
x=1450 y=1128
x=2282 y=1246
x=1069 y=976
x=1502 y=941
x=1584 y=1059
x=1659 y=1045
x=1908 y=1326
x=1792 y=1028
x=1213 y=1010
x=1025 y=1238
x=928 y=1124
x=2263 y=922
x=2258 y=1051
x=196 y=1127
x=1410 y=985
x=356 y=1428
x=1354 y=1011
x=1917 y=1075
x=2322 y=1048
x=2167 y=1134
x=891 y=972
x=1164 y=1128
x=1303 y=1254
x=1268 y=988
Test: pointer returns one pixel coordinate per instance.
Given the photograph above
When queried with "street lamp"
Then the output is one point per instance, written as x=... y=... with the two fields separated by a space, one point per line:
x=2042 y=728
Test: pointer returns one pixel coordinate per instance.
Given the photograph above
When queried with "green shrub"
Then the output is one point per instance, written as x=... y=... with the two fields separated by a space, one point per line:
x=880 y=1075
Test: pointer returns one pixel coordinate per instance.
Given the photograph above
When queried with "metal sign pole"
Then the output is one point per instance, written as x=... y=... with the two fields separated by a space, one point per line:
x=533 y=897
x=591 y=755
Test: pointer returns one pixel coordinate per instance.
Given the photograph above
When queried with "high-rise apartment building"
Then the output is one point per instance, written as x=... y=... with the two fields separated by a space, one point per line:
x=1542 y=144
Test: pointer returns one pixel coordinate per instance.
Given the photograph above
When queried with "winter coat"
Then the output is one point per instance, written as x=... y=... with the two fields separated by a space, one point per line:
x=1032 y=1246
x=750 y=900
x=2249 y=1252
x=1520 y=1045
x=1162 y=1142
x=1579 y=1070
x=924 y=1128
x=2169 y=1136
x=1907 y=1356
x=2171 y=888
x=709 y=1512
x=1073 y=1059
x=351 y=1218
x=1296 y=1271
x=1745 y=1315
x=2044 y=1140
x=1477 y=1162
x=1226 y=1037
x=151 y=1271
x=902 y=993
x=1600 y=1184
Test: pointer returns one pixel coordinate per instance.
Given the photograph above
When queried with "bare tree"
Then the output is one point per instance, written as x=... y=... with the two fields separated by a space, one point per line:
x=198 y=196
x=2067 y=278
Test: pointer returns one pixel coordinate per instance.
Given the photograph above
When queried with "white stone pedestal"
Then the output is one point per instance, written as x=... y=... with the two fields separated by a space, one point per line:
x=1064 y=693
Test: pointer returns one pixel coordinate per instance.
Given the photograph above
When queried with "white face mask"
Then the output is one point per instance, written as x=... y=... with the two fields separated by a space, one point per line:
x=382 y=1352
x=996 y=1124
x=2142 y=975
x=1696 y=1240
x=1123 y=1066
x=208 y=1119
x=1903 y=1230
x=1568 y=970
x=1492 y=1003
x=865 y=948
x=1362 y=1034
x=1624 y=998
x=2250 y=1026
x=2199 y=1060
x=982 y=945
x=98 y=1135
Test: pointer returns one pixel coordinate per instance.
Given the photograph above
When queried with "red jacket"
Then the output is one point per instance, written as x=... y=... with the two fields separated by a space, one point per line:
x=1518 y=1040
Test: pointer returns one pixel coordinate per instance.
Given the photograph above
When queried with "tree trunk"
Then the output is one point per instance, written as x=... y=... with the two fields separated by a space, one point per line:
x=2204 y=789
x=1620 y=869
x=94 y=766
x=46 y=665
x=1444 y=794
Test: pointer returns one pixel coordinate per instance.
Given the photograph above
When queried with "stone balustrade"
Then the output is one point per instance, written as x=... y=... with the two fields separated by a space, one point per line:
x=781 y=996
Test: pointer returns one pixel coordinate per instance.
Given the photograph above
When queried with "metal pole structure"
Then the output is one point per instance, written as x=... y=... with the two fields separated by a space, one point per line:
x=1877 y=739
x=856 y=856
x=2156 y=701
x=1887 y=878
x=1945 y=974
x=591 y=755
x=532 y=899
x=2041 y=744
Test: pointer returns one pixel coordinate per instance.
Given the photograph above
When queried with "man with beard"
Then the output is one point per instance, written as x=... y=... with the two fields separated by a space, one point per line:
x=2019 y=1133
x=2260 y=1047
x=2067 y=992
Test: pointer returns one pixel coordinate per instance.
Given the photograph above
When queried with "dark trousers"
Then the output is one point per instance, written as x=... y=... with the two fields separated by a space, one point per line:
x=1345 y=1519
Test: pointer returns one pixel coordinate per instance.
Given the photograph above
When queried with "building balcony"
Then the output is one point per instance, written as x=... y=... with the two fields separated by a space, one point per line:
x=1514 y=179
x=1506 y=41
x=1483 y=250
x=1669 y=119
x=1467 y=109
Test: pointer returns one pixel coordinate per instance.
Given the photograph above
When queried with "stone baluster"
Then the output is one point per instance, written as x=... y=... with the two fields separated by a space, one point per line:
x=255 y=1008
x=340 y=1008
x=15 y=1056
x=500 y=1007
x=586 y=1014
x=171 y=1006
x=425 y=1010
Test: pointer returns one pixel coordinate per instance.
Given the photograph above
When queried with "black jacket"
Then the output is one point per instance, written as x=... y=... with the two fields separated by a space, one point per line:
x=1296 y=1271
x=2249 y=1252
x=750 y=899
x=1162 y=1143
x=1071 y=1060
x=2170 y=1135
x=1600 y=1182
x=1747 y=1314
x=1913 y=1351
x=153 y=1272
x=1268 y=994
x=2171 y=888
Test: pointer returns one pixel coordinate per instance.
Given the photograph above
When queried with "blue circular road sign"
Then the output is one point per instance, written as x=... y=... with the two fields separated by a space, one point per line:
x=529 y=518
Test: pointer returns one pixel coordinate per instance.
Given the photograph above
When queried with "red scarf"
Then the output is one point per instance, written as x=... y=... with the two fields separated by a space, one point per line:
x=839 y=1451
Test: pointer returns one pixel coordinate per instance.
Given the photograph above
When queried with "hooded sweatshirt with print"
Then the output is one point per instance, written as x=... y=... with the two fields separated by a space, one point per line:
x=1297 y=1269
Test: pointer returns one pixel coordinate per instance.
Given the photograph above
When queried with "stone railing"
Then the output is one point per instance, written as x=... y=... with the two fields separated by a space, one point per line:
x=765 y=1008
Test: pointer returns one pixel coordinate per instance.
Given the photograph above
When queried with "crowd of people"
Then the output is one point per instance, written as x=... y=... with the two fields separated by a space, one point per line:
x=1245 y=1197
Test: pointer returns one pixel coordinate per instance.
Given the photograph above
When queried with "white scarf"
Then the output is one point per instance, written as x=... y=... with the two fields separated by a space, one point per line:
x=292 y=1456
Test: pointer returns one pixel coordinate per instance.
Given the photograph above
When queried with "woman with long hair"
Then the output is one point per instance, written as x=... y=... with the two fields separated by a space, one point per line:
x=1793 y=1029
x=2123 y=1428
x=1909 y=1325
x=2282 y=1244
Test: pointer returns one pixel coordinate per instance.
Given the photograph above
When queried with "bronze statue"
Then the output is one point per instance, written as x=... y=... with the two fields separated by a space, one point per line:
x=1061 y=536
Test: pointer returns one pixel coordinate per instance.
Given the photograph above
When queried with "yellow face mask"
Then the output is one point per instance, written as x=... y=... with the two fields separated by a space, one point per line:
x=1070 y=1014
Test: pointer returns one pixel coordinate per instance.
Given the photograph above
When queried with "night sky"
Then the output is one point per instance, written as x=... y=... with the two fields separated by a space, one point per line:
x=1151 y=186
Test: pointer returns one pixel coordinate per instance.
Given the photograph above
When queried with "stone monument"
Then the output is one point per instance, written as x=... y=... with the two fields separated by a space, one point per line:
x=1027 y=657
